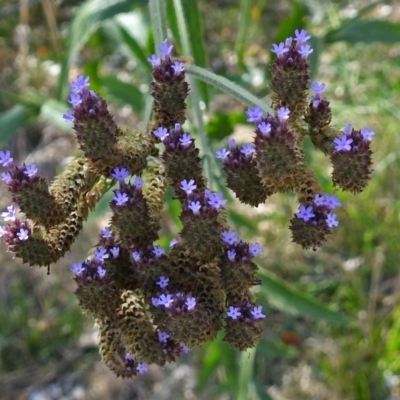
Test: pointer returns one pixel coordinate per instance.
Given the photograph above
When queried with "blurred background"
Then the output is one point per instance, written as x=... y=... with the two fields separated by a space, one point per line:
x=333 y=316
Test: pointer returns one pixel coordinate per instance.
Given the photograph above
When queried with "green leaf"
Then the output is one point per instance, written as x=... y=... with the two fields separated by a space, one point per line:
x=11 y=120
x=243 y=30
x=288 y=299
x=365 y=31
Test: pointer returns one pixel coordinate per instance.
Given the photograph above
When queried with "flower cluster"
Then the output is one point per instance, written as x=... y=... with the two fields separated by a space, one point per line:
x=154 y=304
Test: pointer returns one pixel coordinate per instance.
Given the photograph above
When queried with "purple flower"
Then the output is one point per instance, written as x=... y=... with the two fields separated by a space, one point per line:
x=81 y=83
x=106 y=233
x=165 y=300
x=343 y=143
x=255 y=249
x=319 y=200
x=77 y=269
x=178 y=67
x=100 y=254
x=305 y=50
x=138 y=182
x=155 y=301
x=31 y=170
x=190 y=303
x=120 y=198
x=288 y=41
x=367 y=134
x=173 y=242
x=101 y=272
x=161 y=133
x=234 y=312
x=10 y=214
x=331 y=201
x=165 y=48
x=231 y=143
x=158 y=251
x=23 y=234
x=254 y=114
x=5 y=158
x=331 y=220
x=184 y=348
x=347 y=129
x=75 y=99
x=231 y=255
x=142 y=368
x=215 y=200
x=302 y=36
x=318 y=88
x=6 y=177
x=306 y=213
x=163 y=337
x=280 y=49
x=229 y=237
x=264 y=128
x=115 y=251
x=154 y=60
x=222 y=154
x=256 y=312
x=136 y=256
x=185 y=140
x=69 y=116
x=195 y=206
x=3 y=230
x=188 y=187
x=163 y=282
x=177 y=127
x=128 y=357
x=120 y=173
x=283 y=114
x=247 y=150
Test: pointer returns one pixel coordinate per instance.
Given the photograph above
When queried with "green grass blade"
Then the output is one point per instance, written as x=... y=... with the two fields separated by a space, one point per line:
x=158 y=16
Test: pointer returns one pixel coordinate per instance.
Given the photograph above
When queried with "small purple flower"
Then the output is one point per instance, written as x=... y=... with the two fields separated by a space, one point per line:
x=3 y=230
x=10 y=214
x=222 y=154
x=101 y=272
x=158 y=251
x=254 y=114
x=255 y=249
x=5 y=158
x=142 y=368
x=106 y=233
x=162 y=282
x=185 y=140
x=348 y=129
x=173 y=242
x=234 y=312
x=100 y=254
x=231 y=143
x=188 y=187
x=178 y=67
x=216 y=200
x=264 y=128
x=247 y=150
x=343 y=143
x=81 y=83
x=184 y=348
x=120 y=173
x=138 y=182
x=319 y=200
x=280 y=49
x=115 y=251
x=161 y=133
x=305 y=50
x=31 y=170
x=165 y=300
x=256 y=312
x=6 y=177
x=77 y=269
x=163 y=337
x=165 y=48
x=301 y=36
x=23 y=234
x=136 y=256
x=230 y=238
x=288 y=41
x=318 y=88
x=367 y=134
x=331 y=201
x=283 y=114
x=231 y=255
x=75 y=99
x=128 y=357
x=195 y=206
x=154 y=60
x=120 y=198
x=178 y=127
x=331 y=220
x=190 y=303
x=305 y=213
x=69 y=116
x=155 y=301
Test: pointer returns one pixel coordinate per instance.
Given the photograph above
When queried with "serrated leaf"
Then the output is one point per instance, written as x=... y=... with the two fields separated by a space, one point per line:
x=11 y=120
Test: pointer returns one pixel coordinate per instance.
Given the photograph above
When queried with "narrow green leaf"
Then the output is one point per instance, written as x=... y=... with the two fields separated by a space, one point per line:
x=158 y=16
x=243 y=29
x=288 y=299
x=365 y=31
x=11 y=120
